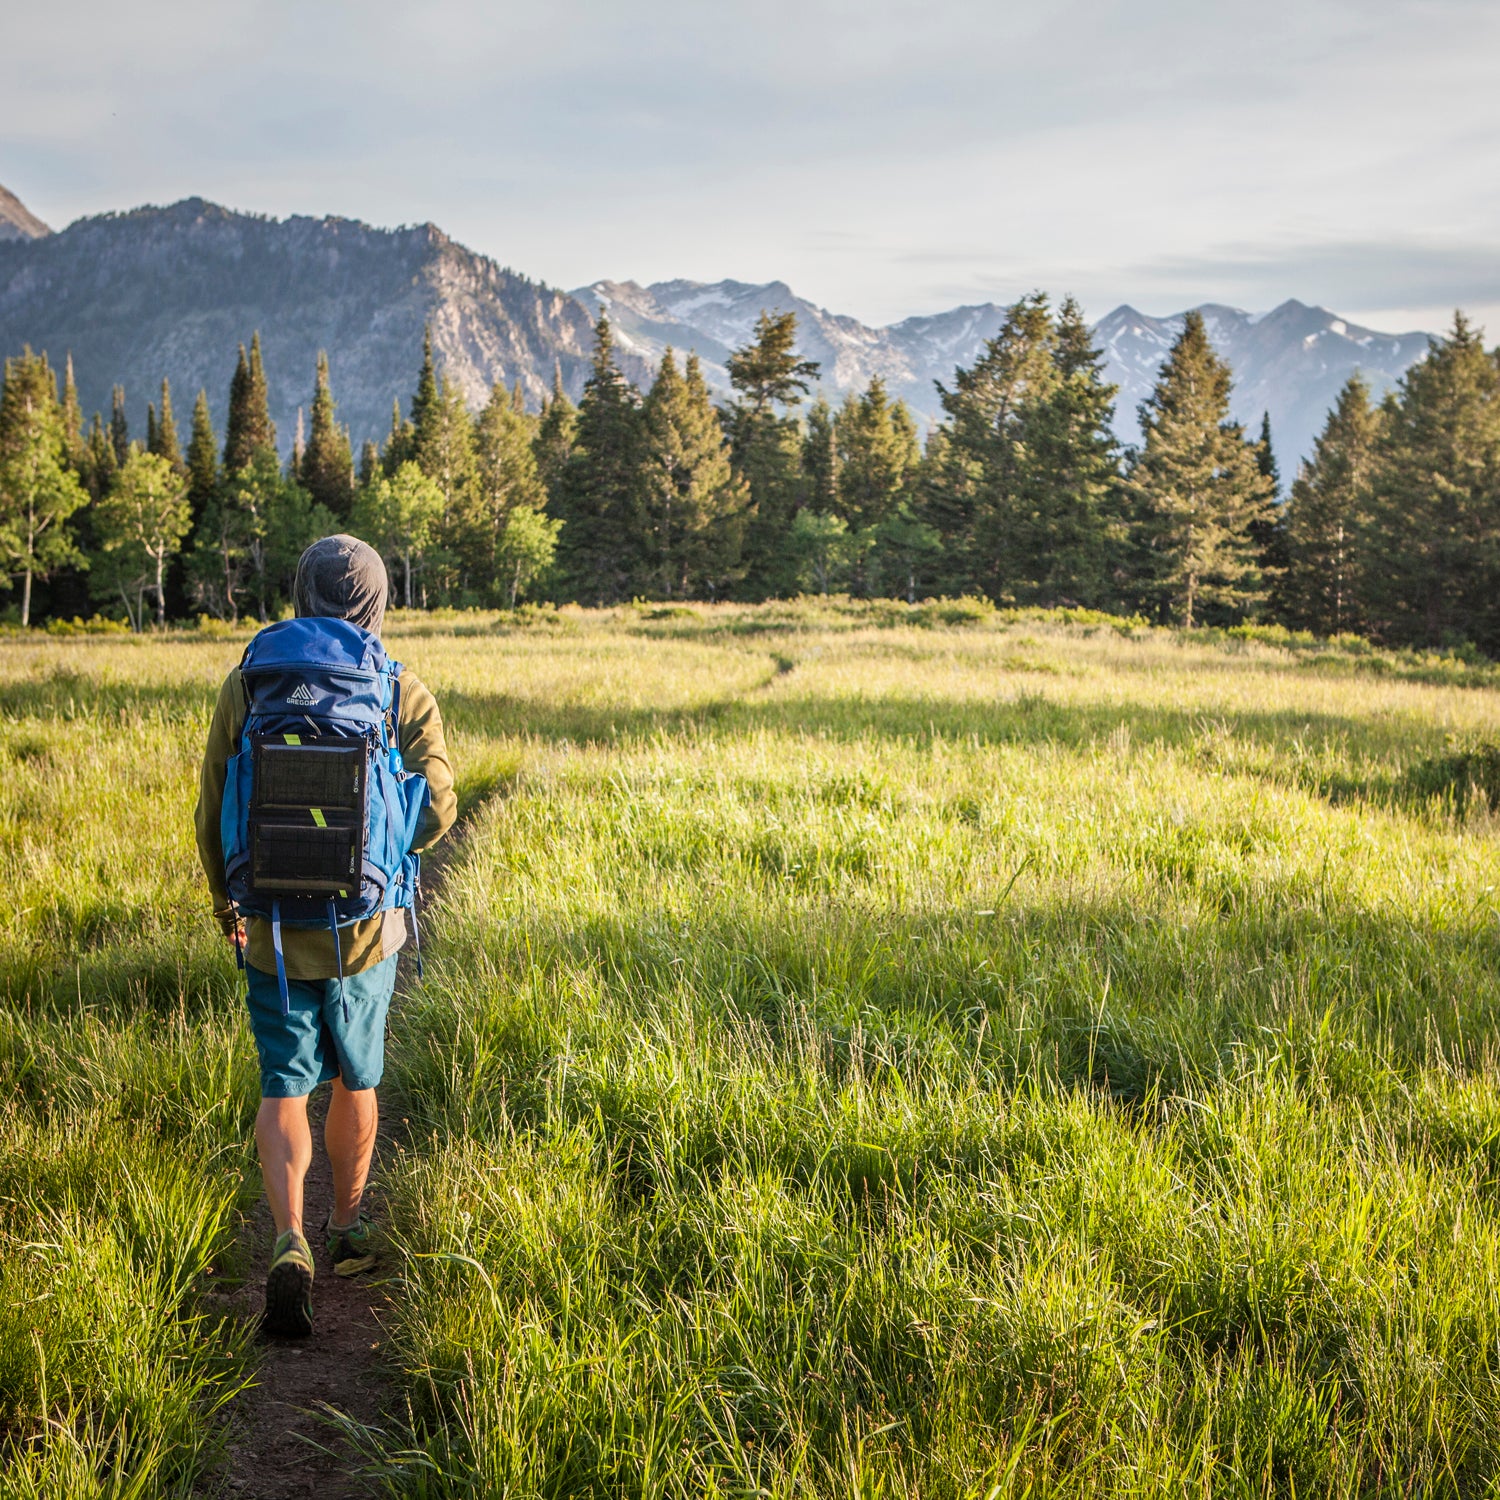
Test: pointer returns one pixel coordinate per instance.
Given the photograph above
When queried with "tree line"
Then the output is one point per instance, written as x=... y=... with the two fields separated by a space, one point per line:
x=1022 y=493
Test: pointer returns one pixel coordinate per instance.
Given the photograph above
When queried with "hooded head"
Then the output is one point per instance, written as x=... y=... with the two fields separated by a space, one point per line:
x=342 y=578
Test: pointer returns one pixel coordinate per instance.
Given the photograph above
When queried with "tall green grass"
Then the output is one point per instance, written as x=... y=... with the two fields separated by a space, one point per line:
x=863 y=1052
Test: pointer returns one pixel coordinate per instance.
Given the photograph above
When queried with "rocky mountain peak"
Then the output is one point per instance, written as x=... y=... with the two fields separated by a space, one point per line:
x=17 y=222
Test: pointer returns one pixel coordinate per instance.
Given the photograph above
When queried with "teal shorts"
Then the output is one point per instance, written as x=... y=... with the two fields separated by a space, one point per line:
x=313 y=1042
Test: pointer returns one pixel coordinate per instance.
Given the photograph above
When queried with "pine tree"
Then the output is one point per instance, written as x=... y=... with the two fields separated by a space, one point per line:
x=163 y=433
x=1198 y=489
x=119 y=426
x=150 y=427
x=249 y=426
x=399 y=443
x=369 y=462
x=693 y=505
x=1433 y=537
x=425 y=398
x=978 y=505
x=554 y=436
x=1269 y=534
x=327 y=468
x=820 y=458
x=1077 y=532
x=599 y=548
x=101 y=467
x=767 y=449
x=768 y=372
x=444 y=443
x=877 y=449
x=202 y=460
x=1318 y=588
x=74 y=444
x=39 y=492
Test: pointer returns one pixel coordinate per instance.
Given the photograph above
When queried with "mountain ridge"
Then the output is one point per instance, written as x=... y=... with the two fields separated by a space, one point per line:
x=143 y=292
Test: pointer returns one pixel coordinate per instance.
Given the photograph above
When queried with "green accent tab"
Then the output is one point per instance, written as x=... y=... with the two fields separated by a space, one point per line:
x=318 y=818
x=292 y=739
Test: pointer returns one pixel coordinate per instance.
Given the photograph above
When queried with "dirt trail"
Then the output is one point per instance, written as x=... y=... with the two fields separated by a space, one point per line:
x=277 y=1421
x=282 y=1445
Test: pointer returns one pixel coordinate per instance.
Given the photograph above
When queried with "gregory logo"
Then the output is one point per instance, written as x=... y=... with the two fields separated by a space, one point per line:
x=302 y=694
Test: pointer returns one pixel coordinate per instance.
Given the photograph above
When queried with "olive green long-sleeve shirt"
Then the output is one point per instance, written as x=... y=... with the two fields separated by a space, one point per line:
x=309 y=950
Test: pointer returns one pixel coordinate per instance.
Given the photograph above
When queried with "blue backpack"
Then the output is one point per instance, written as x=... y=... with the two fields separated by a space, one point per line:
x=319 y=813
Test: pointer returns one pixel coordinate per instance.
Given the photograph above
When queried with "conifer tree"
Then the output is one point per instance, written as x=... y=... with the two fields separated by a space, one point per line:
x=150 y=427
x=767 y=449
x=249 y=426
x=1432 y=542
x=327 y=468
x=979 y=504
x=1077 y=528
x=1024 y=487
x=369 y=462
x=399 y=443
x=553 y=444
x=693 y=505
x=39 y=492
x=598 y=550
x=1318 y=589
x=119 y=425
x=444 y=445
x=202 y=460
x=877 y=449
x=74 y=443
x=163 y=438
x=1198 y=490
x=767 y=372
x=820 y=458
x=425 y=398
x=99 y=466
x=1269 y=534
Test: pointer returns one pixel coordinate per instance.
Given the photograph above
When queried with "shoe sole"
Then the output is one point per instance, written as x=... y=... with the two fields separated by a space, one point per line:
x=288 y=1313
x=354 y=1265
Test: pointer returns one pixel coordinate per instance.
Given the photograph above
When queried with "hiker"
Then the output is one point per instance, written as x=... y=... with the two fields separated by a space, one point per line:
x=325 y=774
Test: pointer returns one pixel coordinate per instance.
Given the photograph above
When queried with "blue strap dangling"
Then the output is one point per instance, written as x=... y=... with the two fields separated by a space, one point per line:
x=286 y=999
x=338 y=955
x=239 y=937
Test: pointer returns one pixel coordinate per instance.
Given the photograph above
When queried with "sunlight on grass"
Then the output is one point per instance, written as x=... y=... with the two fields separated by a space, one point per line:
x=860 y=1054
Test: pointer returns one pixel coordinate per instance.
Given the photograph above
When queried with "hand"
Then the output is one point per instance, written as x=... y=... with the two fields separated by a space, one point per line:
x=234 y=933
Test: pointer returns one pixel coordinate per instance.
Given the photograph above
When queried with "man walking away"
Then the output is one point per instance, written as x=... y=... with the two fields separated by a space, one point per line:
x=325 y=774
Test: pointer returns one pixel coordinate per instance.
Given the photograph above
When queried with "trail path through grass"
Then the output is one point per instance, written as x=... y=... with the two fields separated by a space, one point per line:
x=292 y=1422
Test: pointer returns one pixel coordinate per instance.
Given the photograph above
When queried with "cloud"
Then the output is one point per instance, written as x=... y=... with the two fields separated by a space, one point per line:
x=879 y=159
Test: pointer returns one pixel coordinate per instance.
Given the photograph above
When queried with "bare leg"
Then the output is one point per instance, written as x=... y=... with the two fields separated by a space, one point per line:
x=349 y=1135
x=285 y=1144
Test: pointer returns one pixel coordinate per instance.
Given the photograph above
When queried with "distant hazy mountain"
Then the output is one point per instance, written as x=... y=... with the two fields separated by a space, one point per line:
x=1290 y=362
x=710 y=320
x=173 y=291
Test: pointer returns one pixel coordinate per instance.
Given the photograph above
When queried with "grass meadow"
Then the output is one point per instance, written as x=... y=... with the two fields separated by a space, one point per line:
x=864 y=1052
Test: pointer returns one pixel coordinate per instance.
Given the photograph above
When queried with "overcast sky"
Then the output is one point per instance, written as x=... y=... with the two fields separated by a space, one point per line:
x=883 y=158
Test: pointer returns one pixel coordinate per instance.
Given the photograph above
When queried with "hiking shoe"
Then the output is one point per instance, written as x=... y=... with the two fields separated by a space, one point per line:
x=351 y=1250
x=289 y=1282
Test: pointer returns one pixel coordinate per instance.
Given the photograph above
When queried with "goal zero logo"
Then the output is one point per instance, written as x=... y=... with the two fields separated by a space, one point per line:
x=302 y=694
